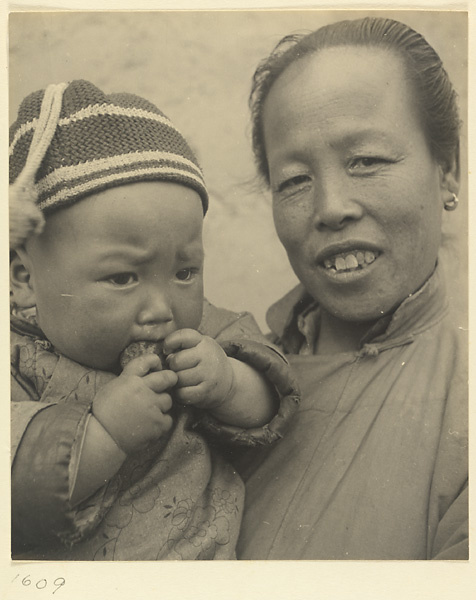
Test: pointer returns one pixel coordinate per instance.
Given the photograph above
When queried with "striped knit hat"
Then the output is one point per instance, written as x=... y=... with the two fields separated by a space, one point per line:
x=72 y=140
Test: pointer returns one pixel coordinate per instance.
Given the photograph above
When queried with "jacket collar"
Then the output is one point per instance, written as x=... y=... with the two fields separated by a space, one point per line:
x=416 y=313
x=23 y=322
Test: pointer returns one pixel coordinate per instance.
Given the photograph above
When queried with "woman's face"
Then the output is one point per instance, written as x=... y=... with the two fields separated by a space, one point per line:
x=357 y=196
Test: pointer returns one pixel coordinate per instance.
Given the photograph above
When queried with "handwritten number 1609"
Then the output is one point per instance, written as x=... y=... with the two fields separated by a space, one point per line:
x=41 y=584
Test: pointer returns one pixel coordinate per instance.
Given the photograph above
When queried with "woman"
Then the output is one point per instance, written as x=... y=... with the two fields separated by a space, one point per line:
x=356 y=131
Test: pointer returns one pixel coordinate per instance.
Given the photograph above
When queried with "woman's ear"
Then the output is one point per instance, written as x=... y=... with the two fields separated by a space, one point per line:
x=21 y=290
x=450 y=178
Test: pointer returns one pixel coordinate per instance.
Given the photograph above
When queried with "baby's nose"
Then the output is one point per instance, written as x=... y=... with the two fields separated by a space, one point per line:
x=156 y=309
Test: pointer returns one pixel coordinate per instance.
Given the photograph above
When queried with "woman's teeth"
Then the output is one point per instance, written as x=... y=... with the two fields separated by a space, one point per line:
x=350 y=261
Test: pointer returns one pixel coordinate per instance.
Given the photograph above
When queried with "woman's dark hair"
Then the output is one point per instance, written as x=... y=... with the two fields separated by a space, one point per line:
x=434 y=92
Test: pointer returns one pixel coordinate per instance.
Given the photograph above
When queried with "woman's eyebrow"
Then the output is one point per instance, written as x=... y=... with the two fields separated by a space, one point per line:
x=359 y=136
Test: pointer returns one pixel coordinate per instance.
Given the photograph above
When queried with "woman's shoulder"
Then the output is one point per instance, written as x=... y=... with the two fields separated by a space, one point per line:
x=217 y=321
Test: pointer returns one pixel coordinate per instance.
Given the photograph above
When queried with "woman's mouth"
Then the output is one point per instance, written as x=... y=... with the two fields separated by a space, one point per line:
x=349 y=261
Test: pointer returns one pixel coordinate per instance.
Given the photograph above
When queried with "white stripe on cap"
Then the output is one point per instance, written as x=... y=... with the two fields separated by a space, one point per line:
x=65 y=193
x=93 y=111
x=68 y=173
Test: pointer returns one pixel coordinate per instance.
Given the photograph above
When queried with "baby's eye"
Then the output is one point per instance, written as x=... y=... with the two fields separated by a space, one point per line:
x=185 y=274
x=122 y=279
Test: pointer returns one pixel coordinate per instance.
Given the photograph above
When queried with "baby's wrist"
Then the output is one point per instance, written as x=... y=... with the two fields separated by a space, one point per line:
x=109 y=432
x=220 y=404
x=101 y=431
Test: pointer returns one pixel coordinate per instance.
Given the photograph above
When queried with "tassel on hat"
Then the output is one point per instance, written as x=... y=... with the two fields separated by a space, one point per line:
x=72 y=140
x=26 y=218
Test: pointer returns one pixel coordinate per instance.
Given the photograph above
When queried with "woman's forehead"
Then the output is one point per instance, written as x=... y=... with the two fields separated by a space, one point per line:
x=347 y=88
x=343 y=68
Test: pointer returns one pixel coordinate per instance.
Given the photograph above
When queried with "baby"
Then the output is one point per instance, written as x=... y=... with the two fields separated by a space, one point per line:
x=119 y=365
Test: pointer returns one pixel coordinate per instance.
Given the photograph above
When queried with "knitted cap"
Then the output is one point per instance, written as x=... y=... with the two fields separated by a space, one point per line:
x=96 y=142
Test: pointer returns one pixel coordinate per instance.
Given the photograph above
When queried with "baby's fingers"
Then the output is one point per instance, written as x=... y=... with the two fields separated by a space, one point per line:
x=190 y=377
x=160 y=381
x=181 y=339
x=142 y=365
x=186 y=359
x=193 y=395
x=164 y=403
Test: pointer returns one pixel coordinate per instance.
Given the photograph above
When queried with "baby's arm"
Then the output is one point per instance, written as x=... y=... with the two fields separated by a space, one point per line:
x=233 y=391
x=128 y=413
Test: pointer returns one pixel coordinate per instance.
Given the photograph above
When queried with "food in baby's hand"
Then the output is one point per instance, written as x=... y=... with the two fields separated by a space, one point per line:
x=139 y=348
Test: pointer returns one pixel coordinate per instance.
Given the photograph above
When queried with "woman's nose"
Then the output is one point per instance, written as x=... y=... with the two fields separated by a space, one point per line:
x=156 y=308
x=335 y=204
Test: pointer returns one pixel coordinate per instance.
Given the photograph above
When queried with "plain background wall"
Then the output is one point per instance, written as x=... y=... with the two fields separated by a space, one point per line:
x=197 y=67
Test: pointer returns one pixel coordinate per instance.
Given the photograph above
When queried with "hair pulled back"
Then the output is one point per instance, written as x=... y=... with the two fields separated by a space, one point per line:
x=434 y=93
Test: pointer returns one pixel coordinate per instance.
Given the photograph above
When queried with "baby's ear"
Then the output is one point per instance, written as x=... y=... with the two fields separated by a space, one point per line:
x=21 y=290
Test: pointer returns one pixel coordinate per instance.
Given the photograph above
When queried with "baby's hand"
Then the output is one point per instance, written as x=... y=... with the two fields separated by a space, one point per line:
x=205 y=376
x=133 y=407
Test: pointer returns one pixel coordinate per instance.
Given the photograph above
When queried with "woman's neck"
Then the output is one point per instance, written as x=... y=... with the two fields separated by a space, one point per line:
x=336 y=335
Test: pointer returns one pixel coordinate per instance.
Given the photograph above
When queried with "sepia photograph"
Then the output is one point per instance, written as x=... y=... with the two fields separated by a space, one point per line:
x=238 y=286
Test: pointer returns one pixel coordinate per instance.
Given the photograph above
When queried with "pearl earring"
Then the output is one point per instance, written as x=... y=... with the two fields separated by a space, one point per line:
x=452 y=204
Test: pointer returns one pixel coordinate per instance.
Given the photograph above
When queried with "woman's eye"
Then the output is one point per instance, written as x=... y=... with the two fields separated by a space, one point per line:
x=185 y=274
x=294 y=183
x=367 y=162
x=122 y=278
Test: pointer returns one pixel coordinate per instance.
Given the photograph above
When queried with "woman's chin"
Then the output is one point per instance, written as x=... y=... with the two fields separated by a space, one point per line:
x=358 y=308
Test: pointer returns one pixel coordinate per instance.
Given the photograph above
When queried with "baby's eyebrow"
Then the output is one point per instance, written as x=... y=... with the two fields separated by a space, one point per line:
x=193 y=252
x=132 y=255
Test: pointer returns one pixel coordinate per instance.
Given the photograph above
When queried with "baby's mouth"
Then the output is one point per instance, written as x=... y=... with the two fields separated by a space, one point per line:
x=350 y=261
x=136 y=349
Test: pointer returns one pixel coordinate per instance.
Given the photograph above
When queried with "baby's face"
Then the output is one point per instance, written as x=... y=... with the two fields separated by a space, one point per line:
x=120 y=266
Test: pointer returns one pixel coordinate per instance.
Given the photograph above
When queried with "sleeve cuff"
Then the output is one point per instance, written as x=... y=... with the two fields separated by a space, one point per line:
x=272 y=364
x=41 y=477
